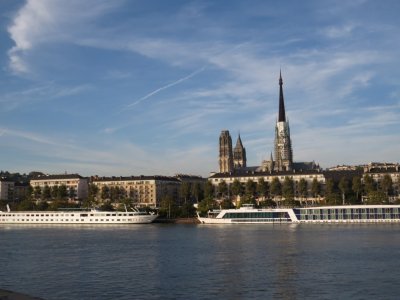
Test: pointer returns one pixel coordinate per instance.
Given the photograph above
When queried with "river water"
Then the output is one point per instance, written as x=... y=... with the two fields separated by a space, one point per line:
x=159 y=261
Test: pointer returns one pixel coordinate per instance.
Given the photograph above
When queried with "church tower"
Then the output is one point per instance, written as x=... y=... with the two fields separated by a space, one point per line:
x=283 y=144
x=239 y=155
x=225 y=152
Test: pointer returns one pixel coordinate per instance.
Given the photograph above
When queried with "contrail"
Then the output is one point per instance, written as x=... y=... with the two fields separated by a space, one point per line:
x=166 y=87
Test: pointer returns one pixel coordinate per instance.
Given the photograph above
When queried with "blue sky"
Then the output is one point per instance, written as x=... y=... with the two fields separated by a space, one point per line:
x=145 y=87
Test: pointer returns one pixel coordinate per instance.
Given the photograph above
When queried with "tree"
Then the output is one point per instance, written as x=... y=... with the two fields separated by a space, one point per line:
x=356 y=186
x=93 y=190
x=236 y=188
x=37 y=192
x=226 y=204
x=26 y=205
x=275 y=187
x=168 y=207
x=303 y=188
x=329 y=187
x=54 y=191
x=369 y=184
x=344 y=188
x=107 y=206
x=262 y=188
x=387 y=184
x=315 y=188
x=105 y=192
x=208 y=190
x=197 y=191
x=288 y=189
x=398 y=186
x=62 y=192
x=46 y=193
x=250 y=188
x=331 y=196
x=377 y=197
x=184 y=191
x=71 y=192
x=222 y=189
x=205 y=205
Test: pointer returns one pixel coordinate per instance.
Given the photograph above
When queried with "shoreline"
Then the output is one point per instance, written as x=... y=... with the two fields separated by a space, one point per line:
x=177 y=221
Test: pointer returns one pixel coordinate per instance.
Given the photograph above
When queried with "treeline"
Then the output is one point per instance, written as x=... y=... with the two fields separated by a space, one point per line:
x=353 y=190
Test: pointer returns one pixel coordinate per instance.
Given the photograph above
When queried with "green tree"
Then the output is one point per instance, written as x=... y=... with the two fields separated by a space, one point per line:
x=222 y=189
x=107 y=206
x=226 y=204
x=105 y=192
x=26 y=205
x=46 y=193
x=42 y=205
x=398 y=186
x=387 y=184
x=185 y=191
x=369 y=184
x=344 y=188
x=275 y=187
x=303 y=188
x=187 y=210
x=236 y=188
x=250 y=188
x=93 y=190
x=268 y=203
x=71 y=192
x=205 y=205
x=168 y=207
x=377 y=197
x=288 y=189
x=54 y=191
x=262 y=188
x=315 y=188
x=329 y=187
x=37 y=192
x=62 y=192
x=331 y=196
x=208 y=190
x=356 y=186
x=197 y=191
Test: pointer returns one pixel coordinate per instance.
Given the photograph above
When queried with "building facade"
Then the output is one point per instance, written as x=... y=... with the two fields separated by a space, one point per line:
x=143 y=190
x=6 y=189
x=77 y=186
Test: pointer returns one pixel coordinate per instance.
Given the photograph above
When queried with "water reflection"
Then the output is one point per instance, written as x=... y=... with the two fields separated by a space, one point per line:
x=201 y=262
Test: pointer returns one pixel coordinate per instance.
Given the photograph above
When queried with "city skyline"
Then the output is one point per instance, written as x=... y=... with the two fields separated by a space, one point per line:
x=122 y=87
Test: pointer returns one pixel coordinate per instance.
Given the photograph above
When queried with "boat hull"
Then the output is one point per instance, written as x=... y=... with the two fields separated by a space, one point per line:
x=68 y=218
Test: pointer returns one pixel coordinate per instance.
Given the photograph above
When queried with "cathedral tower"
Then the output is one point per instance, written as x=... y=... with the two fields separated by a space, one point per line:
x=225 y=152
x=239 y=154
x=283 y=144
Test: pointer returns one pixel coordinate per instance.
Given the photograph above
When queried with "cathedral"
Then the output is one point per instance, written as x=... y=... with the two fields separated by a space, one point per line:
x=234 y=160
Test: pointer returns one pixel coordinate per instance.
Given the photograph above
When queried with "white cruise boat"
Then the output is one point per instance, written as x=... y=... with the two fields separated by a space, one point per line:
x=247 y=214
x=75 y=217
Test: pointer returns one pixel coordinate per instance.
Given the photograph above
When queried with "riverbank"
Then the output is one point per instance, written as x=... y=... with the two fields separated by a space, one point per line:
x=9 y=295
x=177 y=221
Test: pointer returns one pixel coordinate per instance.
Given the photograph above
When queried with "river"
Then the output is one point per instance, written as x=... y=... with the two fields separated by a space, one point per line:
x=159 y=261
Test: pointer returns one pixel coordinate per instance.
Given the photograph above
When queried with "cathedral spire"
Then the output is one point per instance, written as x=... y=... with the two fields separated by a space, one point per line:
x=239 y=142
x=282 y=116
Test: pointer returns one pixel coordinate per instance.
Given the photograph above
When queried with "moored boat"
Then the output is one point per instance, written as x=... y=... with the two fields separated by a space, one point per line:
x=322 y=214
x=76 y=217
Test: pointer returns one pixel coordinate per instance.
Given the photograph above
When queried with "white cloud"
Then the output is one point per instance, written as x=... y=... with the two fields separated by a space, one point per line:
x=45 y=21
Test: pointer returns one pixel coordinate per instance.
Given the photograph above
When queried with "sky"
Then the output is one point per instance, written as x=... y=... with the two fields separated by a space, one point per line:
x=132 y=87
